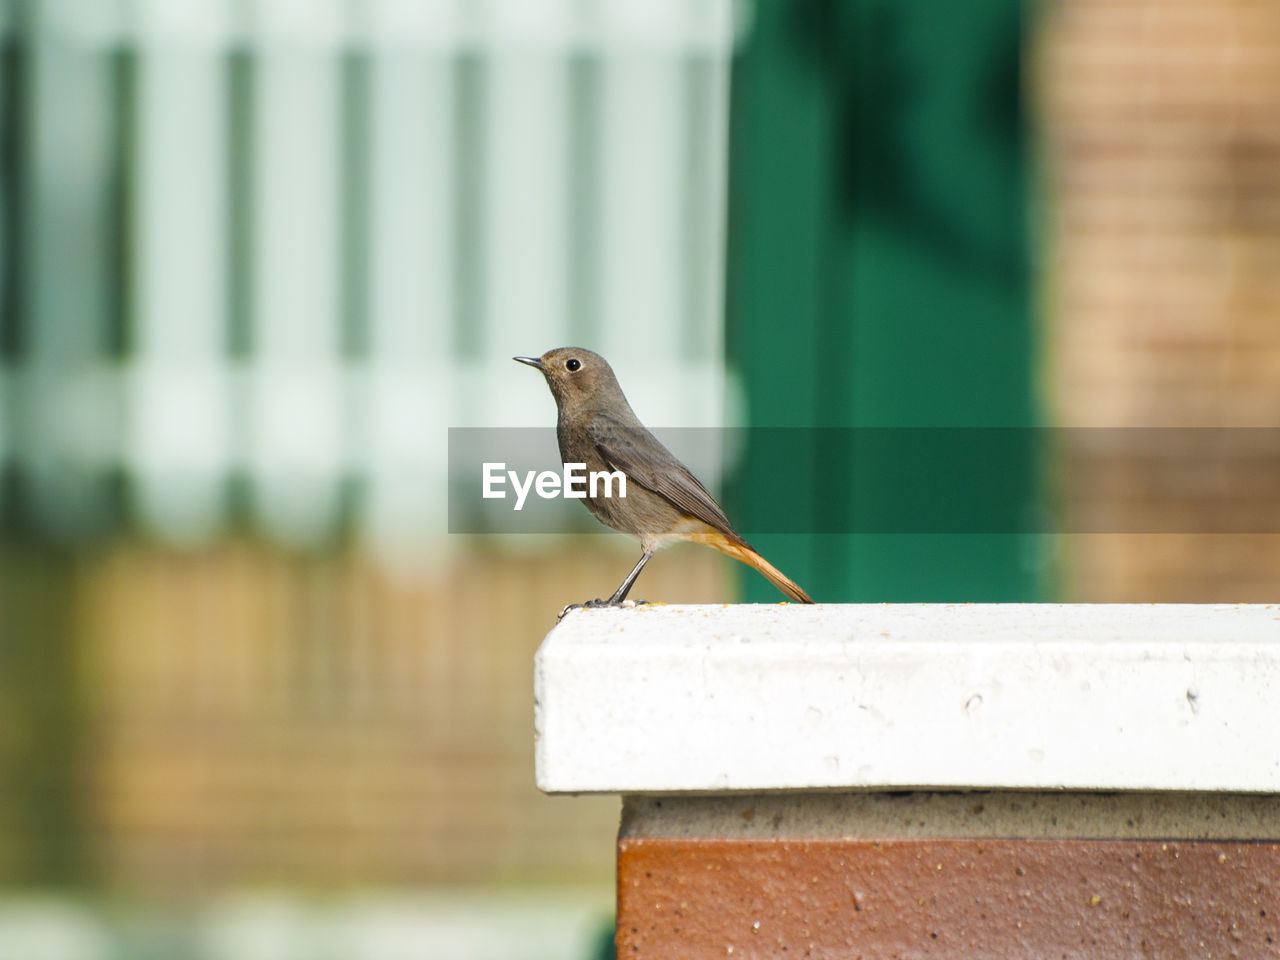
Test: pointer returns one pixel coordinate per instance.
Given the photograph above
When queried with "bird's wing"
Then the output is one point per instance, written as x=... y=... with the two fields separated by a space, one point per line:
x=638 y=453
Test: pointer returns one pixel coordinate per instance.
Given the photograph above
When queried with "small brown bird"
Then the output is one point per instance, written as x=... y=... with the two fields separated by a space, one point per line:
x=664 y=501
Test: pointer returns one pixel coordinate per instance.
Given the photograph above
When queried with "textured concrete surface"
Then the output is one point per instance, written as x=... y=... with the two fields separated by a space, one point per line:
x=863 y=815
x=955 y=898
x=666 y=699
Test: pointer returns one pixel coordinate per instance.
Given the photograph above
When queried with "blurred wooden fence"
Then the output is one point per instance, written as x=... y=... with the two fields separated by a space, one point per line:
x=183 y=722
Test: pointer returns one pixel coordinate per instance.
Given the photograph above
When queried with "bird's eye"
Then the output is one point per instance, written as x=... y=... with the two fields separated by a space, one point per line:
x=572 y=364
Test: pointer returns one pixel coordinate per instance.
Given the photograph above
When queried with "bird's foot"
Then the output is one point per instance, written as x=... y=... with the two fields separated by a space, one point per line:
x=593 y=604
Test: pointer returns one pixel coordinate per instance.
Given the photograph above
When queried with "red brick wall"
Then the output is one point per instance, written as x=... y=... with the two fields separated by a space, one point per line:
x=1162 y=133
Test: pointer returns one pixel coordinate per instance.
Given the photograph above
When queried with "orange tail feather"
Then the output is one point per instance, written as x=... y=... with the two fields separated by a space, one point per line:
x=741 y=551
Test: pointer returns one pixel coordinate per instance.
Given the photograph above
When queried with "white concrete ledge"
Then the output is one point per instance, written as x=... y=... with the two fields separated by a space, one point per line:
x=667 y=699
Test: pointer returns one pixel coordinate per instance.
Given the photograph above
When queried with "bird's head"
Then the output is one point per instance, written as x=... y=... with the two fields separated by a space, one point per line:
x=577 y=377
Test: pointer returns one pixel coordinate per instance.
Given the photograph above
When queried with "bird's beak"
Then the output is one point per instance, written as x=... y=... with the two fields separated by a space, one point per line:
x=531 y=361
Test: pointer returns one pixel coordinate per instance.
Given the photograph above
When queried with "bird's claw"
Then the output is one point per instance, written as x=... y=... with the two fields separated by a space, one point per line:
x=594 y=604
x=581 y=606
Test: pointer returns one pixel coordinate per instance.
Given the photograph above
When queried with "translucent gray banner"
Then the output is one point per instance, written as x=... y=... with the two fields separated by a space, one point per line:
x=945 y=480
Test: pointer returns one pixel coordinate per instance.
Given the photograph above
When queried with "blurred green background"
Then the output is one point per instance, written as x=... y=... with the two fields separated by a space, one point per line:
x=257 y=256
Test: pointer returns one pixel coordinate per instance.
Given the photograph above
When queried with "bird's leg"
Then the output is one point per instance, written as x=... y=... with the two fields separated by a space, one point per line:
x=619 y=595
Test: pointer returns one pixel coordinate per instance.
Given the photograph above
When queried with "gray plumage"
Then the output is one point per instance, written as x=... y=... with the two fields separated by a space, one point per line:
x=665 y=501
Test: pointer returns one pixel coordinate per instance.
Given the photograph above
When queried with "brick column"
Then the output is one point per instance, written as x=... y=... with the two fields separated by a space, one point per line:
x=920 y=780
x=991 y=874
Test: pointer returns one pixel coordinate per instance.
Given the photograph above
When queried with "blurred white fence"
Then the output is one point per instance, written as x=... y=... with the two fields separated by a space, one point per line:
x=260 y=254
